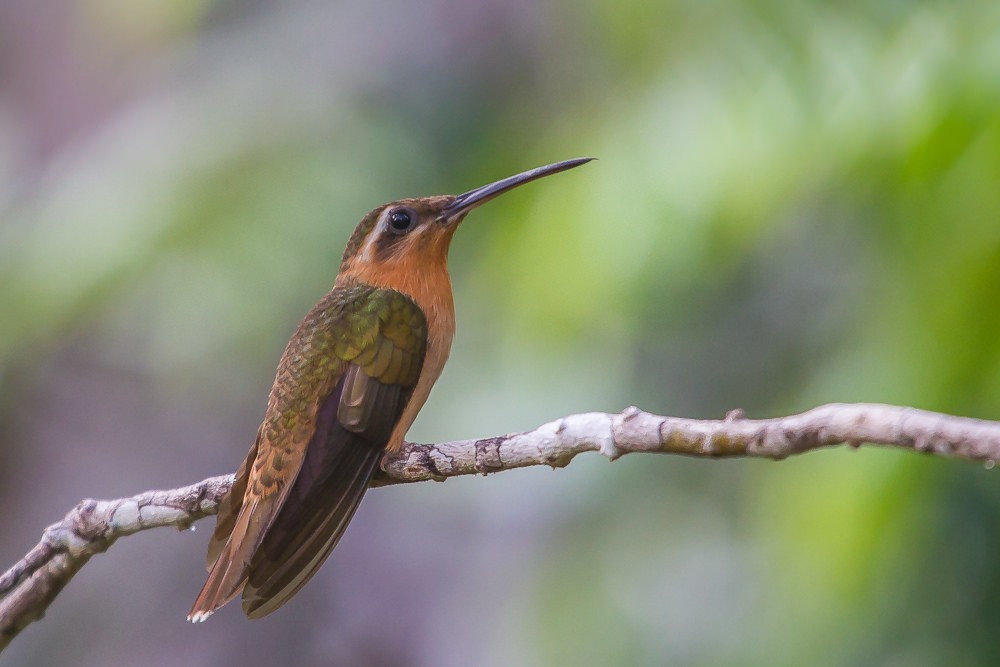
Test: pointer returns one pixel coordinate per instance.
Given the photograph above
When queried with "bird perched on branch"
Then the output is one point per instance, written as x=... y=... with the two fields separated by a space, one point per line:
x=349 y=384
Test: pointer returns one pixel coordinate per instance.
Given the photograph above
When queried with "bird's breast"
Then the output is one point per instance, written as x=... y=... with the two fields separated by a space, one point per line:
x=438 y=305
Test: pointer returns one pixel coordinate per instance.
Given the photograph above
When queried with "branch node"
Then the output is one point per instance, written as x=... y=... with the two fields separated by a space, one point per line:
x=736 y=414
x=488 y=455
x=630 y=413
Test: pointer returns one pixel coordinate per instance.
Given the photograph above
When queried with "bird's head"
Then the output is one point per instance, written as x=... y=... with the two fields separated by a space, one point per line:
x=408 y=234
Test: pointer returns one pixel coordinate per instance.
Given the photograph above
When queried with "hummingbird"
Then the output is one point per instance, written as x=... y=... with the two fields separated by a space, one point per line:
x=349 y=384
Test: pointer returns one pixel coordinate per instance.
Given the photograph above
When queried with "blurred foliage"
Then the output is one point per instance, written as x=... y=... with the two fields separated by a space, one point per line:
x=795 y=203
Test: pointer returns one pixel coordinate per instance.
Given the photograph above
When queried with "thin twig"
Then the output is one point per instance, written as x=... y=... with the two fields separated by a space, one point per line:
x=30 y=586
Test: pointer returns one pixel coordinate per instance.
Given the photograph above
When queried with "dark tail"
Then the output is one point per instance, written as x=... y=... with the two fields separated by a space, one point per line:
x=307 y=529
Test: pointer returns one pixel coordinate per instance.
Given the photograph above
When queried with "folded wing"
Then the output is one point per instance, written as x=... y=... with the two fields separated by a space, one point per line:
x=358 y=358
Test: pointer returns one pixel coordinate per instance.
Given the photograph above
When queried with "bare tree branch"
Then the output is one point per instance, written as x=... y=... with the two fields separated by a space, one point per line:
x=30 y=586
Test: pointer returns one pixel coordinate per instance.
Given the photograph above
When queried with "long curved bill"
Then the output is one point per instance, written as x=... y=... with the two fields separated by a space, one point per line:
x=467 y=201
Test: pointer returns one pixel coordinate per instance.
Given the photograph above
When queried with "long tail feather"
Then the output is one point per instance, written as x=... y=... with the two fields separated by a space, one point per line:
x=302 y=539
x=229 y=572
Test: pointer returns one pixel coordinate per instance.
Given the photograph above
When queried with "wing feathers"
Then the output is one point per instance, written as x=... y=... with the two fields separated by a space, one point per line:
x=273 y=581
x=327 y=492
x=341 y=386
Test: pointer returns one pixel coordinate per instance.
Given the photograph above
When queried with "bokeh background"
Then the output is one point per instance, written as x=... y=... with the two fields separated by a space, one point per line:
x=795 y=203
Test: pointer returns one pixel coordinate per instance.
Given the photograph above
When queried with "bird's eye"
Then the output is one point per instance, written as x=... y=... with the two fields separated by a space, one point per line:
x=401 y=220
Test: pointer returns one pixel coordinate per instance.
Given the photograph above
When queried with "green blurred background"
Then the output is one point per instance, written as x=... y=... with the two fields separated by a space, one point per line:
x=795 y=203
